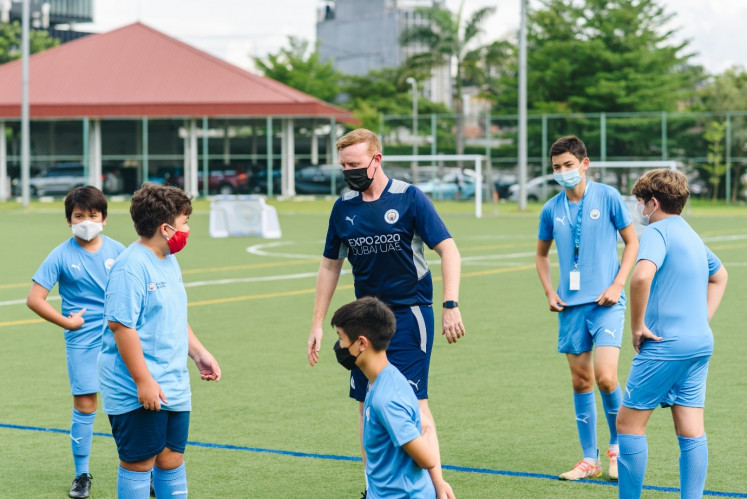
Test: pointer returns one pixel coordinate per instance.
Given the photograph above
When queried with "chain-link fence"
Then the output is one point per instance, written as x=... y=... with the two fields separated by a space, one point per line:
x=715 y=163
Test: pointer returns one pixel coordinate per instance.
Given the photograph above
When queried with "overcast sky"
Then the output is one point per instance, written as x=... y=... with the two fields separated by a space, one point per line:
x=236 y=30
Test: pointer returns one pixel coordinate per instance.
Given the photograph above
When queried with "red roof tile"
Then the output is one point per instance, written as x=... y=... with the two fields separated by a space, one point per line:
x=138 y=71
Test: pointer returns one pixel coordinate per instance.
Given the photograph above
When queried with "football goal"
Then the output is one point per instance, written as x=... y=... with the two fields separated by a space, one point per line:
x=443 y=176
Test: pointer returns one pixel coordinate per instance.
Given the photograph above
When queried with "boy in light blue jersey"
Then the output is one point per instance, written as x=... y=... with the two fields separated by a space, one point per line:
x=584 y=220
x=382 y=227
x=676 y=288
x=142 y=369
x=398 y=452
x=80 y=266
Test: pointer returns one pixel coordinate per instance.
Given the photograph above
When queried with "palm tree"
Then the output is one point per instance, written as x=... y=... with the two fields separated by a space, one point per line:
x=449 y=39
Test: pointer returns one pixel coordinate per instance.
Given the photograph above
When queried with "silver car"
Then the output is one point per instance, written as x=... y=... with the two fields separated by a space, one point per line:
x=61 y=178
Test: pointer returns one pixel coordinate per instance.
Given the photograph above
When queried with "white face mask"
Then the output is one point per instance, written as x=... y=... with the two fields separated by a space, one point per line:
x=640 y=217
x=87 y=229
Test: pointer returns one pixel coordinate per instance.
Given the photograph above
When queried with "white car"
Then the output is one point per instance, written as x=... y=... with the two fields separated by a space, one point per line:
x=534 y=189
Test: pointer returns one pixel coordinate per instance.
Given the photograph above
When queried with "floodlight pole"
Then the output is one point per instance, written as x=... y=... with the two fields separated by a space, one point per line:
x=523 y=107
x=414 y=84
x=25 y=142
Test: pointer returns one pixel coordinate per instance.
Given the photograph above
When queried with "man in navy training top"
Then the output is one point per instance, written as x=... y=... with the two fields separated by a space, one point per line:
x=400 y=455
x=676 y=287
x=382 y=226
x=584 y=220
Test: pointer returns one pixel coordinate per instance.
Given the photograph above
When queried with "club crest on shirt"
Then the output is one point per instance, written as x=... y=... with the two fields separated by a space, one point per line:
x=151 y=286
x=391 y=216
x=108 y=263
x=594 y=214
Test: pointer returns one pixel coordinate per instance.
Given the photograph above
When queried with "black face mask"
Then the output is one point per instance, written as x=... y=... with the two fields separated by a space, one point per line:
x=357 y=178
x=344 y=357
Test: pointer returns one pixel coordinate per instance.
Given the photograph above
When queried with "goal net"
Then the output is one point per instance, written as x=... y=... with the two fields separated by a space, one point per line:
x=443 y=177
x=243 y=216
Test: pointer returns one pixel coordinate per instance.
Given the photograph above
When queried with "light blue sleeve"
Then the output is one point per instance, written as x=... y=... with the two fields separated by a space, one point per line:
x=125 y=295
x=653 y=247
x=620 y=213
x=48 y=273
x=396 y=416
x=545 y=232
x=713 y=261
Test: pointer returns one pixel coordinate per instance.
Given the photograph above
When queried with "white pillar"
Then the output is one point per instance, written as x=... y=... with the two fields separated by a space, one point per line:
x=4 y=181
x=94 y=154
x=185 y=160
x=193 y=158
x=287 y=160
x=226 y=144
x=314 y=147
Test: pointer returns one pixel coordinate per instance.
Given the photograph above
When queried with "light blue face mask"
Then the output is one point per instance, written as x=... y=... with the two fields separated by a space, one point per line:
x=568 y=179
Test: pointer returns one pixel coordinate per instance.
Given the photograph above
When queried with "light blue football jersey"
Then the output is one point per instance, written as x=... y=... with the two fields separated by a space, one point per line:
x=81 y=276
x=604 y=214
x=677 y=308
x=147 y=294
x=391 y=418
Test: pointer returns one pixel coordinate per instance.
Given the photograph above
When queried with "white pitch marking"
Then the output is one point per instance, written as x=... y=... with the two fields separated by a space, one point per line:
x=258 y=249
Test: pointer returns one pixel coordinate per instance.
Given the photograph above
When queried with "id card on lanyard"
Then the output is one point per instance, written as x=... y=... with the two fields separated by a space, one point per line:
x=574 y=282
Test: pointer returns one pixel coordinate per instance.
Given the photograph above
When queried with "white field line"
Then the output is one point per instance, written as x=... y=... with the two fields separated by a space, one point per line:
x=481 y=260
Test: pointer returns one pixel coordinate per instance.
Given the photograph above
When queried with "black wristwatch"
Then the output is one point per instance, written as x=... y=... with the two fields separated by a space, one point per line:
x=451 y=304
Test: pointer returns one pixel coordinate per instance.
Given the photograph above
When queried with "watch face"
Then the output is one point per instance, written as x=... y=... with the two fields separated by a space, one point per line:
x=450 y=304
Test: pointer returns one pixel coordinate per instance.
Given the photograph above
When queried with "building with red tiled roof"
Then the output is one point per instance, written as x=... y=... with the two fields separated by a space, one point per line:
x=140 y=101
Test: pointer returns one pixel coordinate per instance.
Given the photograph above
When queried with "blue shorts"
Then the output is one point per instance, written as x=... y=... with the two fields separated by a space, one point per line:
x=409 y=351
x=82 y=370
x=142 y=434
x=666 y=382
x=582 y=327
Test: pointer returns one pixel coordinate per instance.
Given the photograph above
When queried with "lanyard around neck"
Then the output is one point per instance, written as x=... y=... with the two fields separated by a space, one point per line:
x=577 y=227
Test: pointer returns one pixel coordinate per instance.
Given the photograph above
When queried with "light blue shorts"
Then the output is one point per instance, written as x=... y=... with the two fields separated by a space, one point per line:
x=82 y=370
x=666 y=382
x=582 y=327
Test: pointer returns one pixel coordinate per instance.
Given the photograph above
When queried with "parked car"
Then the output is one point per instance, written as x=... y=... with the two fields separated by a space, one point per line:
x=534 y=189
x=227 y=180
x=503 y=182
x=61 y=178
x=318 y=180
x=165 y=175
x=451 y=186
x=258 y=180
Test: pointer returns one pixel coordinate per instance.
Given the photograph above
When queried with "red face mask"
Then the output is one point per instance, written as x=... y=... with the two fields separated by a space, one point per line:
x=178 y=241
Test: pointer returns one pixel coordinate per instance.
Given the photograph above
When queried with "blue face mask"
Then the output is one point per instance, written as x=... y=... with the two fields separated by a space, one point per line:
x=568 y=179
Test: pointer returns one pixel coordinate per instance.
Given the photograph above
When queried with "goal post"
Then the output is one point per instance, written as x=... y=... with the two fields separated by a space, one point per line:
x=634 y=169
x=425 y=169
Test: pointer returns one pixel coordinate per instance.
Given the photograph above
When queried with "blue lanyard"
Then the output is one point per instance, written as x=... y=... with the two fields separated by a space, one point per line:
x=576 y=228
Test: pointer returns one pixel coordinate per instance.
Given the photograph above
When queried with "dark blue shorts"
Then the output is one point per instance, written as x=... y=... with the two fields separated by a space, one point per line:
x=409 y=351
x=143 y=434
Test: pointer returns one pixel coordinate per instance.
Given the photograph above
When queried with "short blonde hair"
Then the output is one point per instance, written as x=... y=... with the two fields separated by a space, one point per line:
x=356 y=137
x=669 y=187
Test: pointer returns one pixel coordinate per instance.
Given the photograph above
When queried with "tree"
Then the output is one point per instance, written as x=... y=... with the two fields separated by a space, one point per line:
x=601 y=56
x=302 y=68
x=592 y=56
x=714 y=135
x=383 y=92
x=723 y=93
x=10 y=41
x=449 y=38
